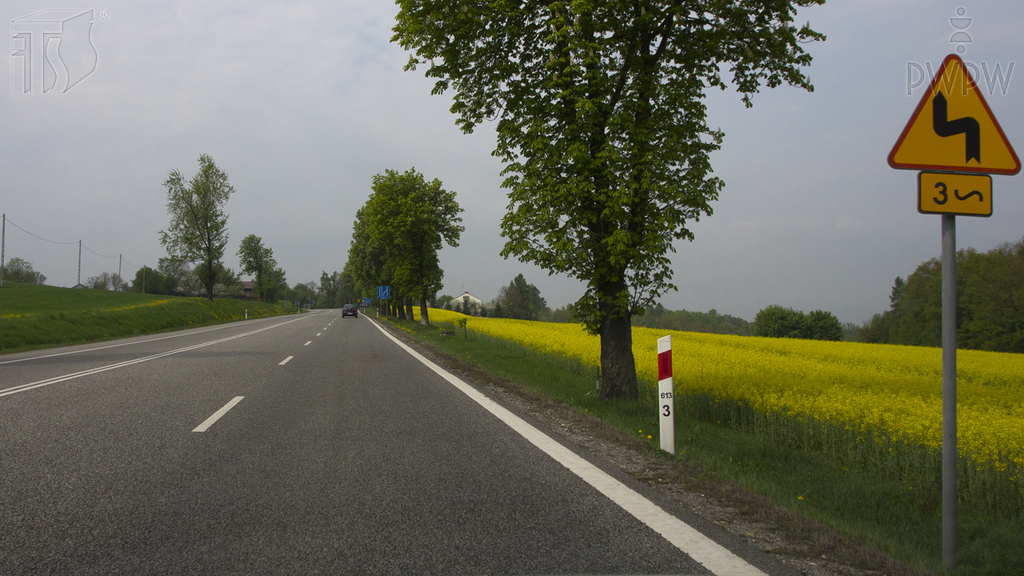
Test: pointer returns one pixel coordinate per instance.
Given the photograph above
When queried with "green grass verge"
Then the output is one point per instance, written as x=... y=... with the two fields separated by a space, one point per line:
x=896 y=517
x=34 y=316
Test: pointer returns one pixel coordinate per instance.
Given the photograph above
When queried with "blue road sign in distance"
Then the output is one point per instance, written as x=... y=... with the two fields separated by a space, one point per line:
x=383 y=292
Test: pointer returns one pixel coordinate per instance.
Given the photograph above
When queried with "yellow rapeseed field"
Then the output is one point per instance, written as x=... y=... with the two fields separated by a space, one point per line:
x=870 y=390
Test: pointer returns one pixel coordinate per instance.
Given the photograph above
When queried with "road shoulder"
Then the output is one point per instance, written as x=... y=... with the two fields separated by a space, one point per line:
x=798 y=543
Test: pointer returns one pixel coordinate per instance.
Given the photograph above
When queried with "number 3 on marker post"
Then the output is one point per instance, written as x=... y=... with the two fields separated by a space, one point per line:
x=948 y=193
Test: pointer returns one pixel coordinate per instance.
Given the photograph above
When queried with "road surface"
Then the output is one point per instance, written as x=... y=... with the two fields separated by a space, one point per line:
x=300 y=445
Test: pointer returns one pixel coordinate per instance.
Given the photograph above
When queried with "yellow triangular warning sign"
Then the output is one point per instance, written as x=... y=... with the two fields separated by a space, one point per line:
x=953 y=129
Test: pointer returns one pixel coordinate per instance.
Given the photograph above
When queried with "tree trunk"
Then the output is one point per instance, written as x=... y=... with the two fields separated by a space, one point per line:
x=424 y=319
x=409 y=309
x=618 y=368
x=400 y=310
x=211 y=279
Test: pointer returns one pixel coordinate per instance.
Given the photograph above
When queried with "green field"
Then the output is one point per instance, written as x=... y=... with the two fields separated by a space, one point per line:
x=34 y=316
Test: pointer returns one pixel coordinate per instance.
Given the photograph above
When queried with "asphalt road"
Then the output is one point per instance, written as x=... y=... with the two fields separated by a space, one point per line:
x=301 y=445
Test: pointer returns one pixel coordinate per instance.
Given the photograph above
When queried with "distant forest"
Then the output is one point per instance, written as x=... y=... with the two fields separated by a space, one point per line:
x=658 y=316
x=990 y=303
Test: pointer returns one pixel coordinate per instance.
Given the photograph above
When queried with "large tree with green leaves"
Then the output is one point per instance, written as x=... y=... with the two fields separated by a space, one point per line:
x=602 y=126
x=198 y=230
x=20 y=270
x=258 y=260
x=398 y=233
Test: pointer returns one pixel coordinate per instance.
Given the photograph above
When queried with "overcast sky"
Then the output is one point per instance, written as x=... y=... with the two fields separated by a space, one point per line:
x=301 y=104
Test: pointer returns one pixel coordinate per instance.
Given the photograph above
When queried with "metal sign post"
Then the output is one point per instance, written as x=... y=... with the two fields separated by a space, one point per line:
x=955 y=140
x=949 y=452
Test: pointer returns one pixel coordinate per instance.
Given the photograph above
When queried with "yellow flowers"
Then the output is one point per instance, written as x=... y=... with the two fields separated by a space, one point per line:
x=865 y=394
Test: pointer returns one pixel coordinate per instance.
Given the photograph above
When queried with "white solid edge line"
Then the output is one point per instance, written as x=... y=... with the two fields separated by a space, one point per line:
x=217 y=415
x=285 y=361
x=713 y=556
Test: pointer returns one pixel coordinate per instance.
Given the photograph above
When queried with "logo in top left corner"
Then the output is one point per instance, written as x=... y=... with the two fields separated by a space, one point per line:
x=51 y=51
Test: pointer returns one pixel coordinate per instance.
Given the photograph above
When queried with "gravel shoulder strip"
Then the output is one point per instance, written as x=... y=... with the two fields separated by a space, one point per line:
x=793 y=540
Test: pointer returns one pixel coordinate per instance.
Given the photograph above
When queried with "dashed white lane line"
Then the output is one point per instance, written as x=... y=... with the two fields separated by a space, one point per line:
x=308 y=343
x=218 y=414
x=319 y=333
x=713 y=556
x=285 y=361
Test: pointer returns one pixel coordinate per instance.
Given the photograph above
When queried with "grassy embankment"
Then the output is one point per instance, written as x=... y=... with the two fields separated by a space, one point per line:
x=896 y=515
x=39 y=316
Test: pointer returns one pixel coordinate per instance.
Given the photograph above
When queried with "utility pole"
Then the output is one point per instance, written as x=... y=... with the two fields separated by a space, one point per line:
x=79 y=263
x=118 y=287
x=3 y=244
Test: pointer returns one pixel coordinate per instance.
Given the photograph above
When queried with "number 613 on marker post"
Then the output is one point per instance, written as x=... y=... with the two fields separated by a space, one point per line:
x=953 y=193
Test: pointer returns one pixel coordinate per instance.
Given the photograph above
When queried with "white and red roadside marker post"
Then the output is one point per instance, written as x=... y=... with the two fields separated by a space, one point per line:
x=665 y=396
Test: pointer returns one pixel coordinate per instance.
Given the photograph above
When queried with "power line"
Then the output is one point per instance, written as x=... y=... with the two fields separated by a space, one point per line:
x=97 y=253
x=35 y=236
x=119 y=257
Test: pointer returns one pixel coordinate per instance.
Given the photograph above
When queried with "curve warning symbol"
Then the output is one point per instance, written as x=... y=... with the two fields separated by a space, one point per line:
x=953 y=129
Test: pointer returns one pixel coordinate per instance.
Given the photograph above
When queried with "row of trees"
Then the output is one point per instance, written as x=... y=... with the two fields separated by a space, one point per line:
x=990 y=303
x=338 y=289
x=711 y=322
x=519 y=300
x=396 y=237
x=174 y=276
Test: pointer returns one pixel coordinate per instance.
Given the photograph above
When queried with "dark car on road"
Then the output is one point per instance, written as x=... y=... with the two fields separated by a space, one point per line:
x=349 y=310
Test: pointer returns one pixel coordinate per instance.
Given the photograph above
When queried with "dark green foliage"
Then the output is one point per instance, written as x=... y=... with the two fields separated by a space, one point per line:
x=520 y=300
x=258 y=260
x=329 y=294
x=779 y=322
x=822 y=325
x=302 y=294
x=348 y=291
x=150 y=281
x=18 y=270
x=563 y=314
x=711 y=322
x=990 y=303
